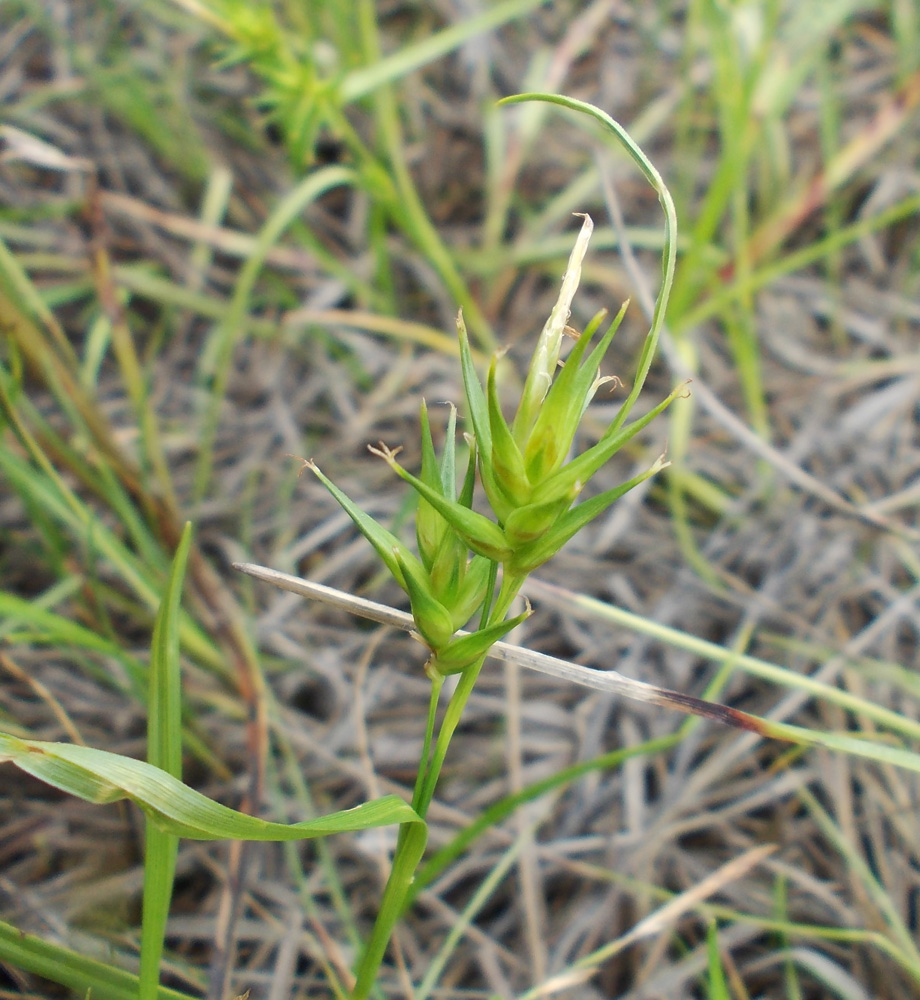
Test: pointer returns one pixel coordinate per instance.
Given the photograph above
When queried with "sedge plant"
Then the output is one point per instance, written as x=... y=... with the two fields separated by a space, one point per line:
x=470 y=566
x=462 y=582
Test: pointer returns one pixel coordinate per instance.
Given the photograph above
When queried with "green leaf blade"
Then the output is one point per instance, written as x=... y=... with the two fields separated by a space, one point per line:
x=103 y=777
x=164 y=750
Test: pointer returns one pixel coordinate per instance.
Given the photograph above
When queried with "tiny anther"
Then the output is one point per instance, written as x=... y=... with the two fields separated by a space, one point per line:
x=305 y=463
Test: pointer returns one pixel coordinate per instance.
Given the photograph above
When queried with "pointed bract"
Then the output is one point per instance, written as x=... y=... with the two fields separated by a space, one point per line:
x=558 y=421
x=479 y=533
x=467 y=649
x=529 y=557
x=475 y=397
x=383 y=541
x=582 y=468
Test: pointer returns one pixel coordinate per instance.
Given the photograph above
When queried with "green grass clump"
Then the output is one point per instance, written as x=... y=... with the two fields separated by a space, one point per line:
x=208 y=185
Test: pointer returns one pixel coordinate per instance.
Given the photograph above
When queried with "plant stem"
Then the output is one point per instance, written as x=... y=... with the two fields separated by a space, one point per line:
x=437 y=682
x=410 y=844
x=508 y=591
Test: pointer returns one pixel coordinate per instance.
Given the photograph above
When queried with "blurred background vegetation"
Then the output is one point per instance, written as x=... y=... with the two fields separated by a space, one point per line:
x=235 y=232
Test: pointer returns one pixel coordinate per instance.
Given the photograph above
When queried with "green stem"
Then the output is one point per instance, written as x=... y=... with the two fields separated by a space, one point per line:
x=437 y=682
x=448 y=726
x=508 y=591
x=410 y=844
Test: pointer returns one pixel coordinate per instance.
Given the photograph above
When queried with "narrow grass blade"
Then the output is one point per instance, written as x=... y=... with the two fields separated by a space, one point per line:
x=367 y=79
x=655 y=923
x=860 y=864
x=484 y=892
x=164 y=750
x=48 y=627
x=489 y=819
x=218 y=354
x=756 y=667
x=99 y=776
x=85 y=976
x=43 y=487
x=669 y=258
x=717 y=984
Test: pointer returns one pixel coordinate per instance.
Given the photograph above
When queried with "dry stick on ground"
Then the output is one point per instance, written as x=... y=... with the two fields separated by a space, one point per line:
x=608 y=681
x=229 y=241
x=614 y=683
